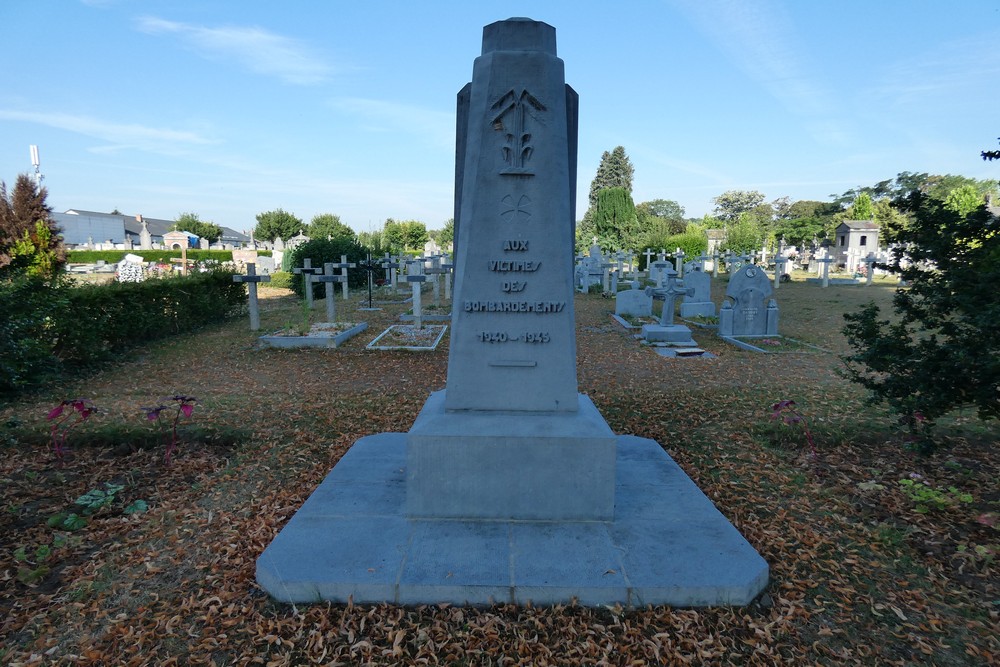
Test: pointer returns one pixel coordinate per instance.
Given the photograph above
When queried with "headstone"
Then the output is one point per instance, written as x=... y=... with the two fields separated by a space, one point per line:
x=666 y=331
x=649 y=263
x=279 y=244
x=391 y=266
x=658 y=272
x=251 y=279
x=634 y=302
x=699 y=302
x=679 y=256
x=749 y=291
x=266 y=265
x=145 y=238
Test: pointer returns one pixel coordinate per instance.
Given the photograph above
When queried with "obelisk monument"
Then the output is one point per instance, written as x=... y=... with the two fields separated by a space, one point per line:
x=510 y=436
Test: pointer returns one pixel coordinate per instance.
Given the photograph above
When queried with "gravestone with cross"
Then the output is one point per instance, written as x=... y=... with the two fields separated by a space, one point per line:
x=307 y=271
x=649 y=252
x=749 y=309
x=666 y=331
x=435 y=271
x=251 y=279
x=329 y=279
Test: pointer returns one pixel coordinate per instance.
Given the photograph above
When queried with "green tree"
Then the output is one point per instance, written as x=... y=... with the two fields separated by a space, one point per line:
x=447 y=235
x=862 y=208
x=730 y=205
x=659 y=215
x=744 y=235
x=799 y=232
x=328 y=225
x=321 y=251
x=405 y=235
x=615 y=223
x=963 y=200
x=277 y=223
x=29 y=237
x=693 y=243
x=942 y=352
x=614 y=171
x=372 y=242
x=190 y=222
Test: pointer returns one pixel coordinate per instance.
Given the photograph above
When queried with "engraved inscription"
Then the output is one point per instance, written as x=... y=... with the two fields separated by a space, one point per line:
x=513 y=285
x=515 y=211
x=533 y=337
x=513 y=114
x=541 y=307
x=514 y=266
x=515 y=244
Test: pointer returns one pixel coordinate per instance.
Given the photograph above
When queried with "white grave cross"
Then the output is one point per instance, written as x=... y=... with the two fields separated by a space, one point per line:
x=251 y=279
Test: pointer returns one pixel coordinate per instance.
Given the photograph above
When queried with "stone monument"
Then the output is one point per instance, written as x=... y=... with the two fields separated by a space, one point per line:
x=750 y=310
x=510 y=486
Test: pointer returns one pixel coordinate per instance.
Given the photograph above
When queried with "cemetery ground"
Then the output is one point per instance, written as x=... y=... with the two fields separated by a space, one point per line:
x=878 y=555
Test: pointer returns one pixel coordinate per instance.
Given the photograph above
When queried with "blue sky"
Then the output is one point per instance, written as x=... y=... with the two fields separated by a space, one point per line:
x=228 y=109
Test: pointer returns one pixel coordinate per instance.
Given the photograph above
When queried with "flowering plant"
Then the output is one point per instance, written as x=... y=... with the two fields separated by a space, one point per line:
x=64 y=417
x=183 y=405
x=786 y=412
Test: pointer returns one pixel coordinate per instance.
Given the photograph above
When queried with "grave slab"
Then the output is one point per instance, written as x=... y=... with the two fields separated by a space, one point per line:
x=675 y=334
x=667 y=544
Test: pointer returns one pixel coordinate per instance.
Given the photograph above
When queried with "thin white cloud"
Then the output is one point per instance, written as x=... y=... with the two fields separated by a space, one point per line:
x=760 y=38
x=259 y=50
x=435 y=127
x=118 y=135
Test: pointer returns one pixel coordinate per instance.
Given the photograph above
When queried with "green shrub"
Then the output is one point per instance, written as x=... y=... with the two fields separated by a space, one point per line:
x=321 y=251
x=46 y=328
x=282 y=279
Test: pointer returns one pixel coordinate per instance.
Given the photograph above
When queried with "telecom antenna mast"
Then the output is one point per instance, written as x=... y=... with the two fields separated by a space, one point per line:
x=35 y=163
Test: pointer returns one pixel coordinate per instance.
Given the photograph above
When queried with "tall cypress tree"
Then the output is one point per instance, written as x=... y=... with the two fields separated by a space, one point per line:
x=615 y=224
x=614 y=171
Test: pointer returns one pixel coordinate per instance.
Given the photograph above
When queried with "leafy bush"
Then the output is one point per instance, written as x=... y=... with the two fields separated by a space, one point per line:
x=50 y=327
x=321 y=251
x=942 y=352
x=282 y=279
x=28 y=308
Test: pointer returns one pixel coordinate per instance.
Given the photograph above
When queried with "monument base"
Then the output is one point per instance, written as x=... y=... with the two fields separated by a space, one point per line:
x=674 y=334
x=667 y=544
x=522 y=466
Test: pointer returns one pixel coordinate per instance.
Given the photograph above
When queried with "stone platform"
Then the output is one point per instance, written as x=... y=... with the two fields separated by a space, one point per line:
x=667 y=544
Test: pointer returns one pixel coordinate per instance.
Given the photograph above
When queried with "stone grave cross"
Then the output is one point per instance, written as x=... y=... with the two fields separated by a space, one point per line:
x=715 y=264
x=606 y=267
x=251 y=279
x=825 y=261
x=649 y=263
x=679 y=256
x=307 y=272
x=435 y=271
x=415 y=276
x=343 y=265
x=869 y=263
x=328 y=278
x=669 y=292
x=779 y=268
x=391 y=266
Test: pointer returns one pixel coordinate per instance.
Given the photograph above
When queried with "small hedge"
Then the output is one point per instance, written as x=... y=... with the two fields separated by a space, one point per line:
x=164 y=256
x=47 y=329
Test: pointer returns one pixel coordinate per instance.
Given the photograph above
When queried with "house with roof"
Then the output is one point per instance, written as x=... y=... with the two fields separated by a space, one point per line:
x=854 y=239
x=90 y=229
